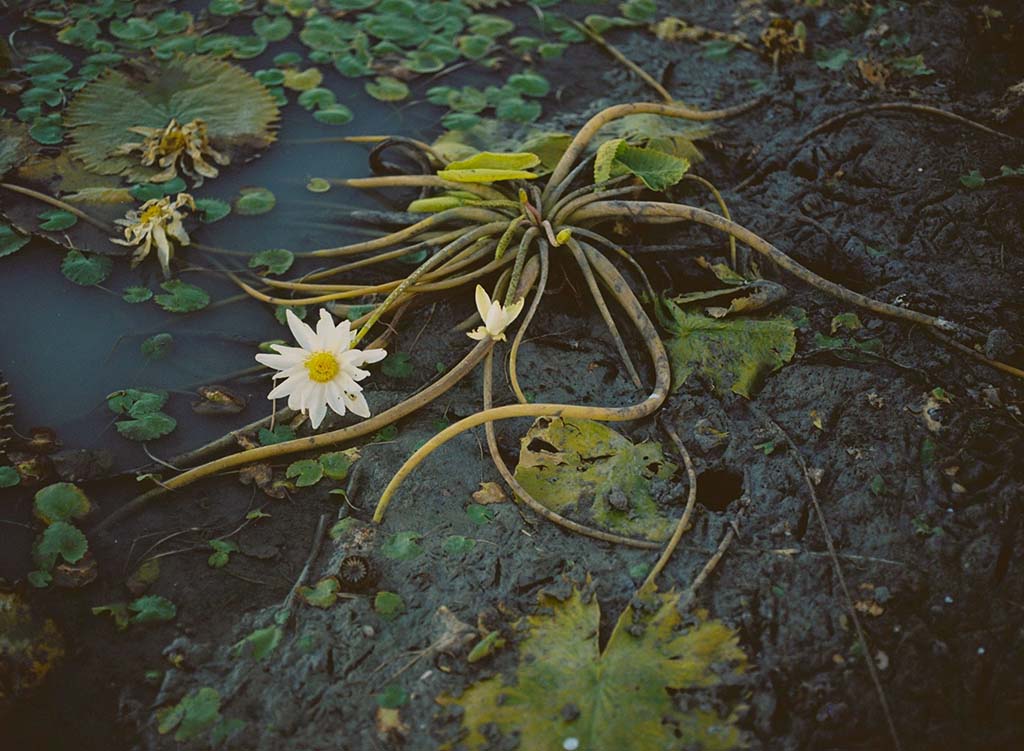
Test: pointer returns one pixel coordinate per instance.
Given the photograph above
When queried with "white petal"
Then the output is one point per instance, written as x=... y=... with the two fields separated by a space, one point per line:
x=324 y=330
x=282 y=362
x=483 y=302
x=357 y=404
x=303 y=334
x=317 y=412
x=478 y=333
x=515 y=309
x=336 y=397
x=374 y=355
x=285 y=388
x=495 y=320
x=342 y=337
x=298 y=400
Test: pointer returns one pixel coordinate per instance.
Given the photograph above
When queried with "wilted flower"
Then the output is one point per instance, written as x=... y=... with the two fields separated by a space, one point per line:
x=184 y=147
x=496 y=316
x=323 y=370
x=157 y=222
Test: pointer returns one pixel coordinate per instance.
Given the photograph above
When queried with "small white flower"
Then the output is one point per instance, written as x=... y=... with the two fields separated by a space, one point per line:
x=496 y=316
x=156 y=222
x=323 y=370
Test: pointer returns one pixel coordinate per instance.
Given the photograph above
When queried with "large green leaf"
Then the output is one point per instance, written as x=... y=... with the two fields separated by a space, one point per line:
x=667 y=134
x=586 y=466
x=732 y=353
x=657 y=169
x=61 y=502
x=489 y=167
x=566 y=688
x=238 y=111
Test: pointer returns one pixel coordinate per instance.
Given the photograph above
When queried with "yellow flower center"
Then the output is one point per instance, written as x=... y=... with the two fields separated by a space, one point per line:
x=153 y=212
x=322 y=367
x=172 y=142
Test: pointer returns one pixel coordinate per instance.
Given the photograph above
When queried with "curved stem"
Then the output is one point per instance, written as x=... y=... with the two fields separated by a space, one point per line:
x=620 y=289
x=565 y=214
x=660 y=213
x=637 y=268
x=646 y=77
x=558 y=190
x=57 y=203
x=605 y=116
x=901 y=106
x=517 y=270
x=522 y=494
x=421 y=181
x=558 y=203
x=725 y=212
x=609 y=321
x=513 y=352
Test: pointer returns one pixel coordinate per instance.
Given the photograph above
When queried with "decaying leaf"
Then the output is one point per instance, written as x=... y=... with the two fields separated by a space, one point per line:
x=566 y=687
x=218 y=400
x=238 y=112
x=602 y=475
x=733 y=354
x=30 y=647
x=489 y=492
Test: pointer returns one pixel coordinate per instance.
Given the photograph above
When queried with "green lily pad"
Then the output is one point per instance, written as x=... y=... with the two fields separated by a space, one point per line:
x=260 y=644
x=734 y=353
x=221 y=555
x=318 y=185
x=273 y=29
x=317 y=98
x=136 y=402
x=402 y=546
x=59 y=540
x=587 y=467
x=337 y=114
x=254 y=201
x=529 y=84
x=388 y=605
x=457 y=545
x=276 y=260
x=157 y=346
x=323 y=595
x=9 y=477
x=147 y=427
x=336 y=464
x=194 y=715
x=55 y=220
x=387 y=89
x=212 y=209
x=239 y=113
x=182 y=297
x=47 y=129
x=61 y=502
x=152 y=609
x=85 y=270
x=11 y=241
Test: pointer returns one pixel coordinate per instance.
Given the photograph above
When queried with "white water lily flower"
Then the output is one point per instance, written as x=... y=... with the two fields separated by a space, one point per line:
x=496 y=316
x=157 y=222
x=323 y=371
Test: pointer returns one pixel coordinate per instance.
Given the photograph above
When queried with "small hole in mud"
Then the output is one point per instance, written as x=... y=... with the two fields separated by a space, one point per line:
x=717 y=488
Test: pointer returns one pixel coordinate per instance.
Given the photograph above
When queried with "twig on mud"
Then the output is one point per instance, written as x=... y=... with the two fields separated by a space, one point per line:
x=830 y=544
x=978 y=356
x=617 y=54
x=289 y=601
x=684 y=520
x=778 y=162
x=705 y=572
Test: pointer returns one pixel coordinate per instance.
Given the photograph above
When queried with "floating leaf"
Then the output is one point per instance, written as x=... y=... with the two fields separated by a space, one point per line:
x=565 y=687
x=147 y=427
x=972 y=180
x=9 y=477
x=529 y=84
x=85 y=270
x=323 y=595
x=59 y=540
x=306 y=471
x=10 y=240
x=318 y=185
x=732 y=353
x=279 y=434
x=136 y=402
x=337 y=114
x=387 y=89
x=317 y=98
x=489 y=167
x=182 y=297
x=276 y=260
x=273 y=29
x=47 y=129
x=586 y=466
x=212 y=209
x=457 y=545
x=56 y=220
x=517 y=110
x=217 y=400
x=402 y=546
x=304 y=80
x=238 y=111
x=157 y=346
x=61 y=502
x=254 y=201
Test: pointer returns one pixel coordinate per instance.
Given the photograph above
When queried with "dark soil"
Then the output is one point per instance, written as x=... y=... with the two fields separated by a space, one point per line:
x=923 y=499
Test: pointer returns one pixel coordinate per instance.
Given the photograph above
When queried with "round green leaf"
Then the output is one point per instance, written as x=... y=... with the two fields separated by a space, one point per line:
x=10 y=240
x=457 y=545
x=55 y=220
x=254 y=201
x=157 y=346
x=212 y=209
x=225 y=7
x=318 y=185
x=306 y=472
x=136 y=294
x=85 y=270
x=61 y=502
x=388 y=605
x=147 y=427
x=152 y=609
x=9 y=477
x=529 y=84
x=402 y=546
x=392 y=697
x=387 y=89
x=317 y=98
x=272 y=29
x=182 y=297
x=518 y=110
x=60 y=539
x=276 y=260
x=47 y=129
x=475 y=46
x=133 y=29
x=339 y=114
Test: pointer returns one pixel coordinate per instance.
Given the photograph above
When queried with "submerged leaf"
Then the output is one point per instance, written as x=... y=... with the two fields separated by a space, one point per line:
x=587 y=466
x=566 y=688
x=254 y=201
x=732 y=353
x=182 y=297
x=85 y=270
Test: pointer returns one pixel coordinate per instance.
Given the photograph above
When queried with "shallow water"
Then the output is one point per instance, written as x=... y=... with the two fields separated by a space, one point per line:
x=67 y=347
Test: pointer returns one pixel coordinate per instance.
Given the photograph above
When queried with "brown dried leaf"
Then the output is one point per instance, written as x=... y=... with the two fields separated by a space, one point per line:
x=490 y=492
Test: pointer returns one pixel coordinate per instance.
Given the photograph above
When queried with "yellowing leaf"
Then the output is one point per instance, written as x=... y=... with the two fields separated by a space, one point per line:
x=732 y=353
x=489 y=167
x=658 y=170
x=587 y=466
x=604 y=162
x=565 y=687
x=304 y=80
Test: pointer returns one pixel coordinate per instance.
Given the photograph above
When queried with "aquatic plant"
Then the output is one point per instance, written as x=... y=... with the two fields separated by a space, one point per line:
x=488 y=214
x=157 y=222
x=185 y=147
